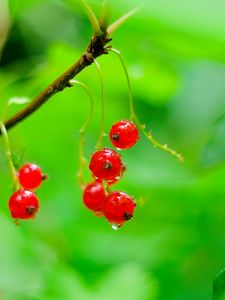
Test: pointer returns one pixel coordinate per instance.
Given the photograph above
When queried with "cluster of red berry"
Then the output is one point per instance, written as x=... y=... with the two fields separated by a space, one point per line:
x=107 y=168
x=24 y=204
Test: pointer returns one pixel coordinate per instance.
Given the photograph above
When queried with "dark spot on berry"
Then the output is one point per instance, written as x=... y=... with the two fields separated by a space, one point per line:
x=123 y=168
x=107 y=165
x=44 y=177
x=115 y=137
x=31 y=210
x=127 y=216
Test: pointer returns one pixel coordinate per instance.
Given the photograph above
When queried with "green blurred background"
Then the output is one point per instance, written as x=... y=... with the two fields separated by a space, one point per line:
x=174 y=246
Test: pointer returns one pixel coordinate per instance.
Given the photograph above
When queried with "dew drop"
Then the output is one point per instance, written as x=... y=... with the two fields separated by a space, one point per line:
x=117 y=177
x=115 y=226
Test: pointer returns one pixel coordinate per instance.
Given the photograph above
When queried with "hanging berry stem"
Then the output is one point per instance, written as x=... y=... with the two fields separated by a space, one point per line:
x=82 y=159
x=102 y=133
x=117 y=52
x=133 y=116
x=8 y=153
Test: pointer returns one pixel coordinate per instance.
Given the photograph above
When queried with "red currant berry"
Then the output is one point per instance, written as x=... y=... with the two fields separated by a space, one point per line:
x=118 y=207
x=94 y=196
x=30 y=176
x=124 y=134
x=23 y=204
x=106 y=164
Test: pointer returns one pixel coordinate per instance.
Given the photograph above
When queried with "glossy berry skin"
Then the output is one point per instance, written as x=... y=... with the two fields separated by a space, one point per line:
x=106 y=164
x=94 y=196
x=124 y=134
x=30 y=176
x=23 y=204
x=118 y=207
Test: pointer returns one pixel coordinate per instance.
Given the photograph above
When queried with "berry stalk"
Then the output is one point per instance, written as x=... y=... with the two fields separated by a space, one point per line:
x=99 y=144
x=155 y=143
x=134 y=118
x=82 y=159
x=9 y=156
x=132 y=113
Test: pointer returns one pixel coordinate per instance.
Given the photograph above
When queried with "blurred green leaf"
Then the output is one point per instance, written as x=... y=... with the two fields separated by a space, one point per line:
x=175 y=55
x=214 y=151
x=219 y=286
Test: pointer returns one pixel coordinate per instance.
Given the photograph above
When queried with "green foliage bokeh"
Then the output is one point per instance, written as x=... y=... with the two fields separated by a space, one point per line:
x=174 y=245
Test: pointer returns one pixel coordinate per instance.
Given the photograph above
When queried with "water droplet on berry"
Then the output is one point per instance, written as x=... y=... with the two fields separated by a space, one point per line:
x=115 y=226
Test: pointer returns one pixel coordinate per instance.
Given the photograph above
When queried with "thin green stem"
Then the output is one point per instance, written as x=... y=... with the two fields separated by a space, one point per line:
x=133 y=116
x=102 y=133
x=104 y=16
x=121 y=20
x=155 y=143
x=82 y=159
x=117 y=52
x=92 y=18
x=8 y=153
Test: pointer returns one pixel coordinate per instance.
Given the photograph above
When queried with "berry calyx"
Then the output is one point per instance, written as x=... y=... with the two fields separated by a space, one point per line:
x=23 y=204
x=106 y=164
x=124 y=134
x=30 y=176
x=94 y=196
x=118 y=207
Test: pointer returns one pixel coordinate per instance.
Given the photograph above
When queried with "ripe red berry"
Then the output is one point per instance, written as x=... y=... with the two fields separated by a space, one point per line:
x=106 y=164
x=124 y=134
x=94 y=196
x=118 y=207
x=23 y=204
x=30 y=176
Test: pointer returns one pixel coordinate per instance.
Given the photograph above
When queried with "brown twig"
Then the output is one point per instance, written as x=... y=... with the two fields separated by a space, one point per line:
x=96 y=48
